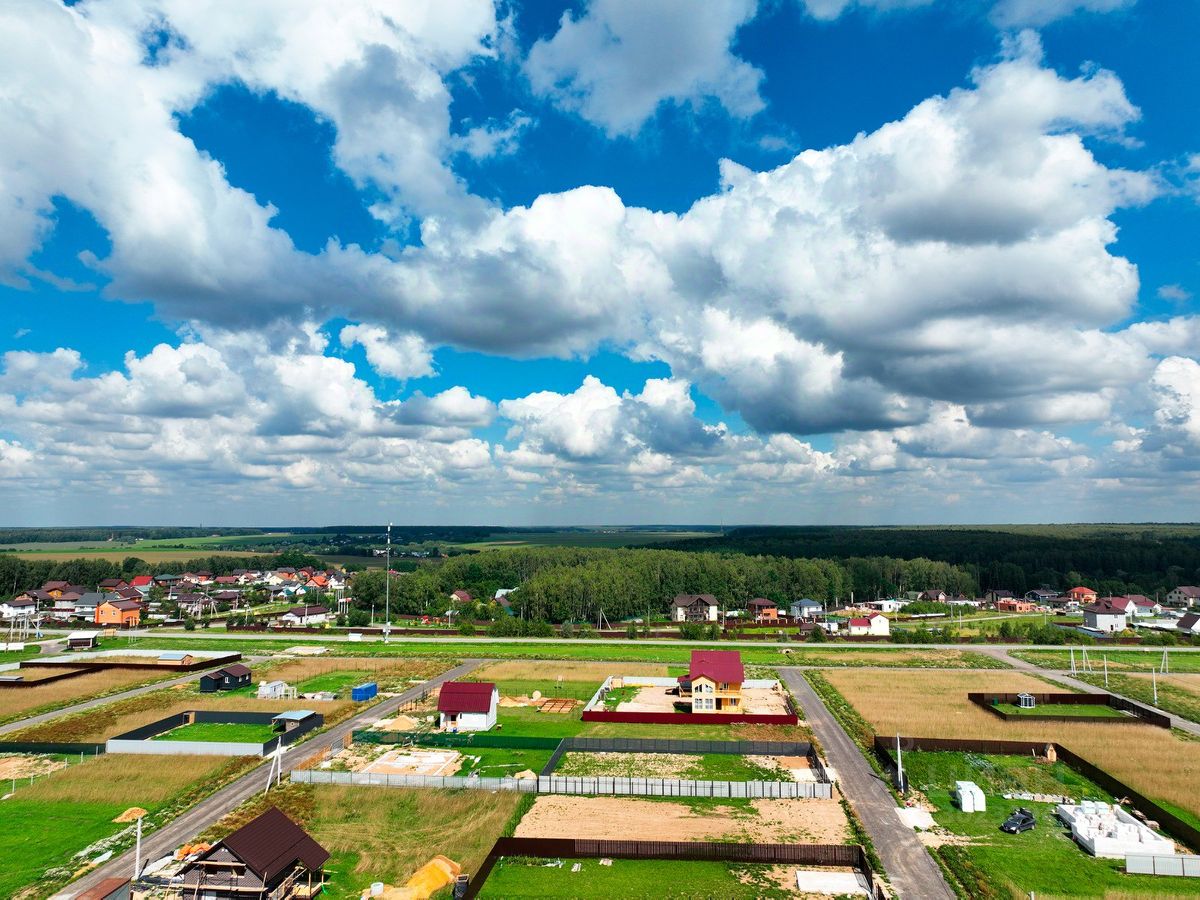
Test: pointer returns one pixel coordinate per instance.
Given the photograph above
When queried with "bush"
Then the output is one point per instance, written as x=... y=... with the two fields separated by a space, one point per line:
x=586 y=631
x=631 y=631
x=567 y=630
x=189 y=624
x=466 y=628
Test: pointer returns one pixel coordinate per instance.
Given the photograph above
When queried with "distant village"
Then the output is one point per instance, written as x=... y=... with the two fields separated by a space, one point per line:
x=323 y=597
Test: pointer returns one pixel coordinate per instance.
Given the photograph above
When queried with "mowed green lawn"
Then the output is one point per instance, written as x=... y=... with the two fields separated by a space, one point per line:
x=233 y=732
x=1045 y=860
x=629 y=878
x=1118 y=660
x=1063 y=709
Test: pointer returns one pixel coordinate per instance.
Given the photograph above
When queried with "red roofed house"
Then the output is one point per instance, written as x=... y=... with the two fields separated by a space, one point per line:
x=873 y=624
x=468 y=705
x=1082 y=595
x=271 y=857
x=763 y=610
x=714 y=681
x=461 y=596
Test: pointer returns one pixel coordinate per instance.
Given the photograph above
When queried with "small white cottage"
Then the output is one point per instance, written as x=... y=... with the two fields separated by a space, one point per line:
x=468 y=706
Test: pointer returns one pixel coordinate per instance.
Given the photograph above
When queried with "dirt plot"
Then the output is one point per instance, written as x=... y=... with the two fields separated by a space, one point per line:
x=294 y=671
x=934 y=704
x=21 y=765
x=520 y=670
x=620 y=818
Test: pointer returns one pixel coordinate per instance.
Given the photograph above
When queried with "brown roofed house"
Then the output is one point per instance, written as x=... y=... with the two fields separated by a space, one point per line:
x=270 y=857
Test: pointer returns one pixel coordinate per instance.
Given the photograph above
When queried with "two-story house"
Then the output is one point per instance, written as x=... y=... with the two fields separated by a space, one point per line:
x=713 y=683
x=694 y=608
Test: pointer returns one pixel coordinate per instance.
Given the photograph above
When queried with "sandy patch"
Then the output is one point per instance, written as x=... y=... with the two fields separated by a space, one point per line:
x=415 y=762
x=768 y=821
x=22 y=766
x=131 y=815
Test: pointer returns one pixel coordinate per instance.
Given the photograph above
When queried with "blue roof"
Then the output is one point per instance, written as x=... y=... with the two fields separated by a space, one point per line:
x=173 y=654
x=294 y=715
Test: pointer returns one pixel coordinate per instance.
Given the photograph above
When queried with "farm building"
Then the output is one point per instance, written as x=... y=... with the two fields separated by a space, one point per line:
x=271 y=856
x=694 y=608
x=467 y=706
x=714 y=681
x=305 y=615
x=226 y=679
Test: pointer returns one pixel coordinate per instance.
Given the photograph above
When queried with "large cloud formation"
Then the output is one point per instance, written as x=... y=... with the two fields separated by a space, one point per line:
x=934 y=295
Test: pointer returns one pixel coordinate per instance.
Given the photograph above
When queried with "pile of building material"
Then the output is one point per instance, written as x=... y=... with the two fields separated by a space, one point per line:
x=1109 y=831
x=970 y=798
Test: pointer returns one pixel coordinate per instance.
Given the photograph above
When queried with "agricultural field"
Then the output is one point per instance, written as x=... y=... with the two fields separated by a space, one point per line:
x=668 y=879
x=386 y=835
x=649 y=651
x=992 y=865
x=934 y=704
x=615 y=537
x=50 y=829
x=21 y=703
x=1178 y=660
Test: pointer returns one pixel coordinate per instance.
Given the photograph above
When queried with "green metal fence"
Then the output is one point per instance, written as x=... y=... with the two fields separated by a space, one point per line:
x=446 y=739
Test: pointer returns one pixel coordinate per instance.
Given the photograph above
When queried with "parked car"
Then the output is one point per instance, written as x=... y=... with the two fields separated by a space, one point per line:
x=1021 y=820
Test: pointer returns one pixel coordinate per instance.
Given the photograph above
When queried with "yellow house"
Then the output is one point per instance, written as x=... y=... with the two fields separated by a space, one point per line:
x=713 y=683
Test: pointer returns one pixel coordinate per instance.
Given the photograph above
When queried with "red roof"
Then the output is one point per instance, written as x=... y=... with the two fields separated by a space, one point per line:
x=861 y=623
x=718 y=665
x=466 y=697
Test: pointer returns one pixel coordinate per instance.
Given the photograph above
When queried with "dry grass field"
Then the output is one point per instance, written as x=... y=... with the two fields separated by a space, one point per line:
x=934 y=704
x=99 y=724
x=294 y=671
x=1189 y=683
x=570 y=670
x=386 y=835
x=116 y=555
x=19 y=702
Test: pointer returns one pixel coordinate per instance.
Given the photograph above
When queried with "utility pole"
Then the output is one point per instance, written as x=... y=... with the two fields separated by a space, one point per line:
x=899 y=766
x=1154 y=683
x=387 y=587
x=1106 y=671
x=137 y=856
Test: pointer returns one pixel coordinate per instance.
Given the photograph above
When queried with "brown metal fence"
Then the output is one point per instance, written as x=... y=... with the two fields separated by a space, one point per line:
x=1047 y=702
x=832 y=855
x=1168 y=821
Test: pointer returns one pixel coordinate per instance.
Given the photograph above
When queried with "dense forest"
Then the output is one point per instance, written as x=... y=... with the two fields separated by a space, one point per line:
x=1113 y=560
x=569 y=583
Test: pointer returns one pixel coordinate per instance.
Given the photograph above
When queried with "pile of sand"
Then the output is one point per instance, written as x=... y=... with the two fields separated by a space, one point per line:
x=131 y=815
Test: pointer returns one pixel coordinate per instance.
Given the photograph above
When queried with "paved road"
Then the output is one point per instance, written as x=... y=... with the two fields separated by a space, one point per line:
x=912 y=871
x=111 y=698
x=185 y=827
x=1065 y=679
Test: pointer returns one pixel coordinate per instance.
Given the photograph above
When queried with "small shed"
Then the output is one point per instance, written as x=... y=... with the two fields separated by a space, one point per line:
x=82 y=640
x=226 y=679
x=293 y=718
x=176 y=658
x=1026 y=701
x=467 y=706
x=275 y=690
x=970 y=798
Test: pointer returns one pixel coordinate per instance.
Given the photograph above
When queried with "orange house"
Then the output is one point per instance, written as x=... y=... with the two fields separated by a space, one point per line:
x=1017 y=606
x=122 y=613
x=1082 y=594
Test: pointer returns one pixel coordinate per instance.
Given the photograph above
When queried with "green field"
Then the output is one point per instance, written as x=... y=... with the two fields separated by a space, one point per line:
x=495 y=762
x=233 y=732
x=705 y=767
x=1045 y=860
x=336 y=682
x=1063 y=709
x=45 y=825
x=1170 y=697
x=521 y=877
x=632 y=651
x=1118 y=660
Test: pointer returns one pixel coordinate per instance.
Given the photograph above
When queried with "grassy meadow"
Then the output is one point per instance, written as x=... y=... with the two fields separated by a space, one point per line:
x=21 y=703
x=45 y=825
x=1118 y=660
x=234 y=732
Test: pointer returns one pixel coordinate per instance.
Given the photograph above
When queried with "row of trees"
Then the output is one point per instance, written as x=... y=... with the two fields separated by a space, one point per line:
x=1132 y=559
x=563 y=584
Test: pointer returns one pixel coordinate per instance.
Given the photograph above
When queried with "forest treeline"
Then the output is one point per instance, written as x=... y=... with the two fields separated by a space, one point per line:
x=1126 y=560
x=574 y=584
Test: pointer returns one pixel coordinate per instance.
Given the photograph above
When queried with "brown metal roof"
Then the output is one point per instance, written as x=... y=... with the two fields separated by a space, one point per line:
x=271 y=843
x=237 y=670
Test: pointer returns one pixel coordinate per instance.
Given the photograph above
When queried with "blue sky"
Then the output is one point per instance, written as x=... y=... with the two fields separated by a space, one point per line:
x=780 y=261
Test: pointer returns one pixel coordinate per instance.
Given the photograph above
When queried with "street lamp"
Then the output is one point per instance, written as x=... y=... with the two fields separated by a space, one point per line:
x=387 y=587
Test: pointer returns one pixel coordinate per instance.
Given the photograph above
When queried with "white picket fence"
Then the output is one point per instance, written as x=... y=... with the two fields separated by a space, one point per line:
x=564 y=784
